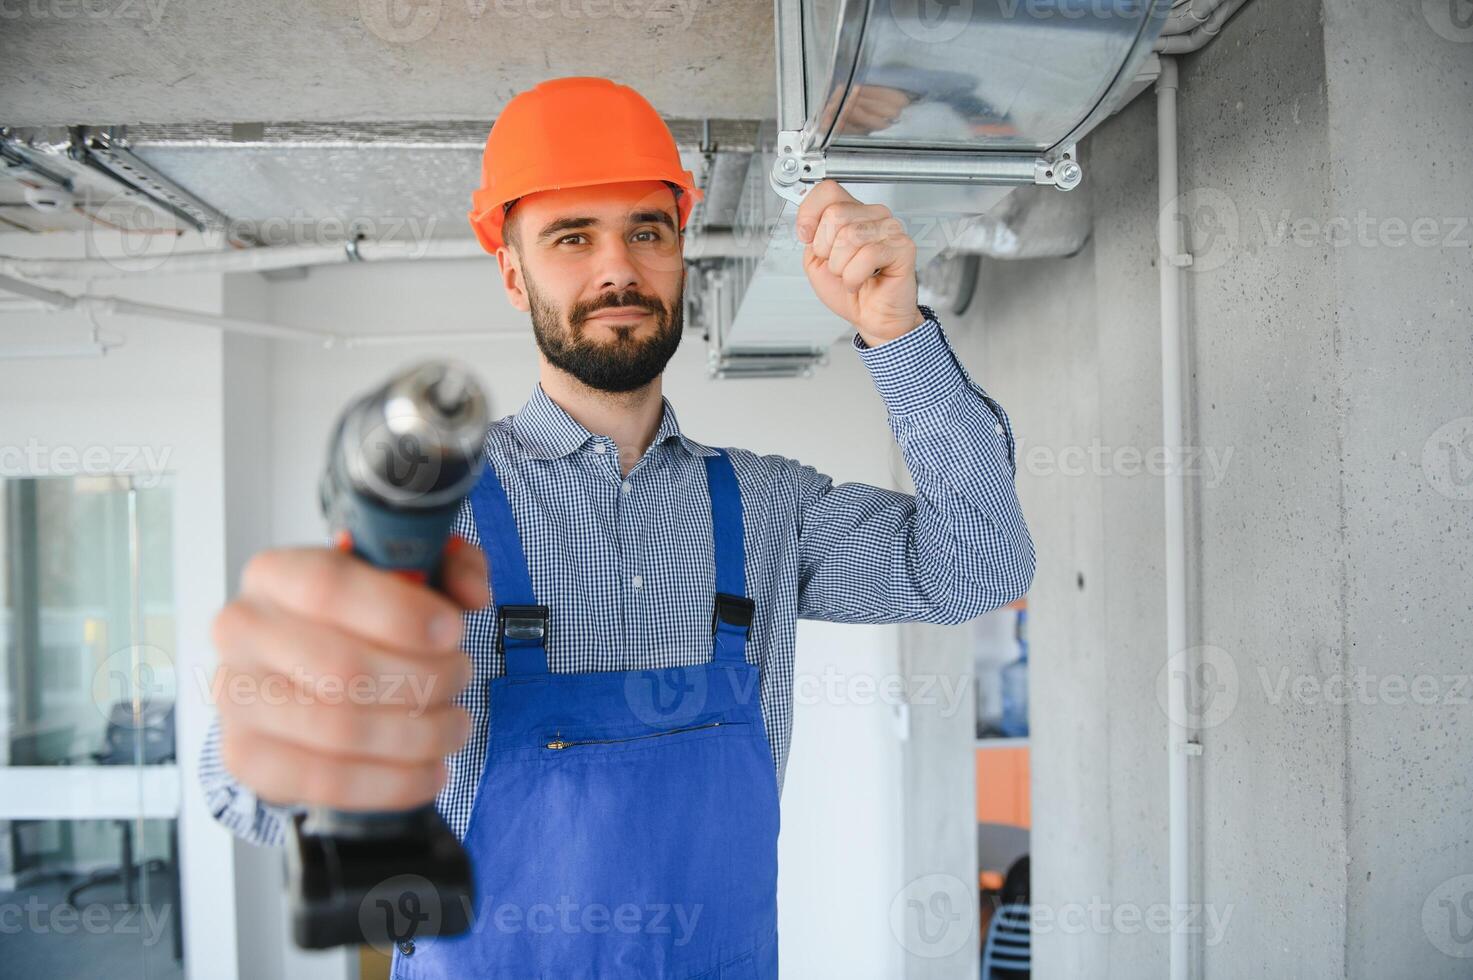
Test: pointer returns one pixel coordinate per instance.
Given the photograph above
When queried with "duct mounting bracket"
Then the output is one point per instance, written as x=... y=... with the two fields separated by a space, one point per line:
x=794 y=173
x=1063 y=171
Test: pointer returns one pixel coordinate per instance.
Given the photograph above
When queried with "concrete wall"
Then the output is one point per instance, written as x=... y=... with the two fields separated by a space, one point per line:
x=1327 y=372
x=1401 y=132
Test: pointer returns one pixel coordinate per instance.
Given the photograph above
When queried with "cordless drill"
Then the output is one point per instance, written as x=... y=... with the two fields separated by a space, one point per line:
x=401 y=460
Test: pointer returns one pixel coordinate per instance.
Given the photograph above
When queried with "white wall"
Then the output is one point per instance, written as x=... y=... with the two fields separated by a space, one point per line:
x=159 y=392
x=841 y=854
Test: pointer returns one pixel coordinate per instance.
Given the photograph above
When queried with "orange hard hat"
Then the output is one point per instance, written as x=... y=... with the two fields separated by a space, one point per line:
x=574 y=132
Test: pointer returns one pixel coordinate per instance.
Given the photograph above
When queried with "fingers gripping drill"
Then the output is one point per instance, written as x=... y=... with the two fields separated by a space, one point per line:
x=401 y=460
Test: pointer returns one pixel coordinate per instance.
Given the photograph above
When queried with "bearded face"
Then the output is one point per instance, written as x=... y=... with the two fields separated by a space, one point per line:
x=610 y=354
x=600 y=270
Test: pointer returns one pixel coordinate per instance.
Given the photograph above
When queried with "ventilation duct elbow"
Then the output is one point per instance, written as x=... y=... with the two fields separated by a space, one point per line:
x=937 y=116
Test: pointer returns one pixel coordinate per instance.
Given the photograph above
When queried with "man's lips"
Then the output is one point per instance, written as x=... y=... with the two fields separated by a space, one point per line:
x=620 y=314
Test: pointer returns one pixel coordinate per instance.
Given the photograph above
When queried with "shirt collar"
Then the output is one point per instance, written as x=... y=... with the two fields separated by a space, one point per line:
x=545 y=431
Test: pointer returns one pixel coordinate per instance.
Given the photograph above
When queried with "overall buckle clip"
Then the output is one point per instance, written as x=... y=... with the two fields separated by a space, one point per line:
x=523 y=623
x=734 y=610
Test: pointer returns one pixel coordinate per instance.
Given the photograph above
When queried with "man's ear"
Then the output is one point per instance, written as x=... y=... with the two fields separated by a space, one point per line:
x=511 y=278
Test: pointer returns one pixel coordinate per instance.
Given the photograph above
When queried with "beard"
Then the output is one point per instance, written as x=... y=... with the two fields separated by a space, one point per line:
x=623 y=364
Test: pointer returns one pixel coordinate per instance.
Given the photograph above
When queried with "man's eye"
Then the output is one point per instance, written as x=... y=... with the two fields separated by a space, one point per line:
x=566 y=237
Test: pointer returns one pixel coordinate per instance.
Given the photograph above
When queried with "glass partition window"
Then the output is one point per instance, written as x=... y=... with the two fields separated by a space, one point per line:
x=89 y=855
x=82 y=650
x=101 y=902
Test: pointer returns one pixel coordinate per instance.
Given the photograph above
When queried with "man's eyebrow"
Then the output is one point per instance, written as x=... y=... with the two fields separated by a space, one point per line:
x=658 y=217
x=564 y=224
x=573 y=224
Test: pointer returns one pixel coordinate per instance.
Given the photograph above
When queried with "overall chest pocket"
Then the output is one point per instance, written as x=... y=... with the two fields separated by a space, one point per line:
x=567 y=742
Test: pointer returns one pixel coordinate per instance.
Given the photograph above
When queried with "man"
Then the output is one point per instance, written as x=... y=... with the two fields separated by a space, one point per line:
x=628 y=762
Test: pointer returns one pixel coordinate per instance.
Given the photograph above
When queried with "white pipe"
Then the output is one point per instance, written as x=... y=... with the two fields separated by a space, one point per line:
x=229 y=324
x=1172 y=261
x=45 y=351
x=1197 y=38
x=52 y=298
x=702 y=245
x=57 y=300
x=241 y=260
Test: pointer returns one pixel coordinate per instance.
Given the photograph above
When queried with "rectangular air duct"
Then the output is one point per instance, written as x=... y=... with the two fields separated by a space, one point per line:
x=936 y=115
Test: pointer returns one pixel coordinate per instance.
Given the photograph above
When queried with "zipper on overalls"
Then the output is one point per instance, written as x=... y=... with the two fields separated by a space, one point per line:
x=558 y=743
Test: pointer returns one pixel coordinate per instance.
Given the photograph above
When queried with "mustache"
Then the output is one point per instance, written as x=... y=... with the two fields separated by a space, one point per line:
x=583 y=312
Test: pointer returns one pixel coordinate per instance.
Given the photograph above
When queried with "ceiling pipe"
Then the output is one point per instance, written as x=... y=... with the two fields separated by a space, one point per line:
x=59 y=301
x=698 y=245
x=229 y=324
x=50 y=298
x=55 y=301
x=36 y=352
x=238 y=260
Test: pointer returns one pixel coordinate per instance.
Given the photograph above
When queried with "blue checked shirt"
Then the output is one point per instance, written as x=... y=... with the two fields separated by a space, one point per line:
x=626 y=563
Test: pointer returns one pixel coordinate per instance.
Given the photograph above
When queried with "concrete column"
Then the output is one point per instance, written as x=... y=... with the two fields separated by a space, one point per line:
x=1326 y=189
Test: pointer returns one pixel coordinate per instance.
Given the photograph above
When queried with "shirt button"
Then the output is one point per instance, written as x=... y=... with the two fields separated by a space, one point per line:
x=997 y=428
x=638 y=581
x=627 y=486
x=406 y=947
x=600 y=448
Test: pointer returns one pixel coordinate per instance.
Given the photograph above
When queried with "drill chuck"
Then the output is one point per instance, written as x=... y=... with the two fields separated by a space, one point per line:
x=401 y=460
x=413 y=442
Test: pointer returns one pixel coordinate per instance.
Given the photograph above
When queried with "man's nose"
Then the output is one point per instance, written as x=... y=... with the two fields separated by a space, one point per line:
x=616 y=267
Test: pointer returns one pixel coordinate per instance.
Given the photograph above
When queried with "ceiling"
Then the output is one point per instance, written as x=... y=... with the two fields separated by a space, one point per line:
x=119 y=62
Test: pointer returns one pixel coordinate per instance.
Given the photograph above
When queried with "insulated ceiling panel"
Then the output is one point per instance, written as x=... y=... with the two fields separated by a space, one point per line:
x=297 y=183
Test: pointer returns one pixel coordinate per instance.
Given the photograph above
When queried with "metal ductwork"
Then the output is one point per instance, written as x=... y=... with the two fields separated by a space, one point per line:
x=262 y=187
x=937 y=116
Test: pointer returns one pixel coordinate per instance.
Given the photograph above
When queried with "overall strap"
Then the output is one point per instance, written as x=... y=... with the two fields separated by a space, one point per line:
x=732 y=614
x=521 y=624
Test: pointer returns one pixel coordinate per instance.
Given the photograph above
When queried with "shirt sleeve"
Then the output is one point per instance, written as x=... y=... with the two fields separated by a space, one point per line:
x=233 y=805
x=956 y=548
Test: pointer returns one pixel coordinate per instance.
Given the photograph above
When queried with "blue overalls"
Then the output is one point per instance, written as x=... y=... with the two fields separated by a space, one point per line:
x=625 y=824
